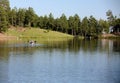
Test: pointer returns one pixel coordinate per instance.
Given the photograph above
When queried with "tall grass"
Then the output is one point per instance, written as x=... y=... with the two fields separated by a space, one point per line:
x=37 y=34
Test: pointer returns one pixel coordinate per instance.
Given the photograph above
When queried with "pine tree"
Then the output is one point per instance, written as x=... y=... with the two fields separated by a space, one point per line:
x=71 y=24
x=76 y=24
x=51 y=21
x=4 y=10
x=64 y=23
x=13 y=17
x=111 y=18
x=85 y=26
x=29 y=16
x=92 y=26
x=21 y=17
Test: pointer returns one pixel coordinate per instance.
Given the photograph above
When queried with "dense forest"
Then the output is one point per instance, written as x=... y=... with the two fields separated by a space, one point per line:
x=26 y=17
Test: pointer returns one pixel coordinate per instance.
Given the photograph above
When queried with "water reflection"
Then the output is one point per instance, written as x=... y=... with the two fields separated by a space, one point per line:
x=74 y=46
x=116 y=46
x=79 y=61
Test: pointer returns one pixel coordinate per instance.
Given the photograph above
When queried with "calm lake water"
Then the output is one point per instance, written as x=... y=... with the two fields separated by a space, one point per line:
x=72 y=61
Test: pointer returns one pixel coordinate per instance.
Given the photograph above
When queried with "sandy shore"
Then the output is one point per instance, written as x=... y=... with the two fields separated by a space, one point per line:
x=108 y=35
x=5 y=37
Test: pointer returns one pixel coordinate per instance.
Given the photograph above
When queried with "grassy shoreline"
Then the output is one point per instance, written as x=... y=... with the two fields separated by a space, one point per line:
x=34 y=34
x=20 y=33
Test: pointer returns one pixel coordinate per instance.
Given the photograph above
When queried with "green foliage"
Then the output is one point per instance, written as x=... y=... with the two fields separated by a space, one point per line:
x=57 y=24
x=104 y=26
x=71 y=24
x=76 y=24
x=29 y=16
x=45 y=22
x=111 y=18
x=4 y=9
x=92 y=26
x=13 y=16
x=84 y=26
x=89 y=26
x=63 y=23
x=5 y=5
x=50 y=23
x=21 y=17
x=40 y=22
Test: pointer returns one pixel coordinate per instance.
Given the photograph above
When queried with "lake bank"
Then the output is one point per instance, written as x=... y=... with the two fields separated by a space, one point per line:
x=33 y=33
x=3 y=37
x=20 y=33
x=109 y=36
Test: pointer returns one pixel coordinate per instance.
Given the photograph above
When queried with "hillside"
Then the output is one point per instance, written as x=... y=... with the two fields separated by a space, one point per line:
x=33 y=33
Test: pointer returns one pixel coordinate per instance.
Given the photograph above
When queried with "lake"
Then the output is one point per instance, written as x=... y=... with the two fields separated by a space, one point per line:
x=72 y=61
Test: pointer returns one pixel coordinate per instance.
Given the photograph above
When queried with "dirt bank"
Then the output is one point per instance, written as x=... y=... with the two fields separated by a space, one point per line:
x=110 y=36
x=6 y=37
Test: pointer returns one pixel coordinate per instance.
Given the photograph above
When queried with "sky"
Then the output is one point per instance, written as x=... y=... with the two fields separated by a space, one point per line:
x=97 y=8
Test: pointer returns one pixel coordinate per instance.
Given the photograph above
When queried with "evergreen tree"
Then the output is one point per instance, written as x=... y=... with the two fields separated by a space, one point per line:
x=76 y=24
x=92 y=30
x=103 y=26
x=64 y=23
x=3 y=20
x=21 y=17
x=71 y=24
x=29 y=16
x=45 y=22
x=40 y=22
x=4 y=10
x=57 y=25
x=111 y=18
x=35 y=21
x=85 y=26
x=5 y=4
x=13 y=16
x=51 y=21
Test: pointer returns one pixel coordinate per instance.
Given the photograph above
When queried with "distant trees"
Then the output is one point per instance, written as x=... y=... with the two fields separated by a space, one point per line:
x=84 y=26
x=63 y=23
x=50 y=24
x=21 y=17
x=26 y=17
x=45 y=22
x=13 y=17
x=29 y=17
x=114 y=22
x=4 y=10
x=3 y=20
x=110 y=17
x=71 y=24
x=93 y=26
x=103 y=26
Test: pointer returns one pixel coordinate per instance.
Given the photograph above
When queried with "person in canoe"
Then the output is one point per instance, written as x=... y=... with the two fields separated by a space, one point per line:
x=32 y=42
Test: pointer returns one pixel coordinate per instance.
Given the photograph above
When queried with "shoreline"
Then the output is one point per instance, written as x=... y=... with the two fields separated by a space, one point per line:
x=14 y=33
x=4 y=37
x=12 y=38
x=109 y=36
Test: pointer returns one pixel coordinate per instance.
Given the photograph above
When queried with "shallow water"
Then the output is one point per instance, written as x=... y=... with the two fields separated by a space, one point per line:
x=72 y=61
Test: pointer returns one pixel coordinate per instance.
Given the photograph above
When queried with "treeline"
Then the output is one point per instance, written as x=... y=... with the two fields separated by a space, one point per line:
x=88 y=26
